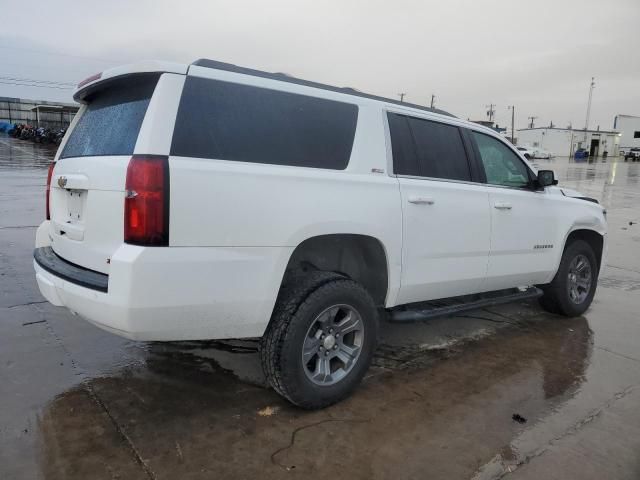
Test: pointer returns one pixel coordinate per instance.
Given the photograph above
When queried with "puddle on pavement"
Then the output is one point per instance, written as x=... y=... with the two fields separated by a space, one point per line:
x=438 y=402
x=24 y=154
x=184 y=412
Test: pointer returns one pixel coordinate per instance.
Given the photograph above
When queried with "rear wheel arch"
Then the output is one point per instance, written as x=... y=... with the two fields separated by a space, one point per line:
x=360 y=257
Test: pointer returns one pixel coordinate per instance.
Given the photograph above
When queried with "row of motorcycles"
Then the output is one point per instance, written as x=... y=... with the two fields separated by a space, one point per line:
x=38 y=135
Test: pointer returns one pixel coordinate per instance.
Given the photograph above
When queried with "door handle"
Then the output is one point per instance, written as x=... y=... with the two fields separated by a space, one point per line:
x=502 y=206
x=421 y=200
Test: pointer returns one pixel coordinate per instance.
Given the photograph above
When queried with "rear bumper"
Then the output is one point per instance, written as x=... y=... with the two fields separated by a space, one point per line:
x=176 y=293
x=47 y=259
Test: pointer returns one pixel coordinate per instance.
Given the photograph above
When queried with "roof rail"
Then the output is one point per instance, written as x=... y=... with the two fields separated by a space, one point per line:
x=229 y=67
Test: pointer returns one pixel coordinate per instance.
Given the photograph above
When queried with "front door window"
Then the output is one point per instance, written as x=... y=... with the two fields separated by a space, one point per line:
x=501 y=165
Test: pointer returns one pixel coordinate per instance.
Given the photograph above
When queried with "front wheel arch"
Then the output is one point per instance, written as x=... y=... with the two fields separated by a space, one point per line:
x=593 y=238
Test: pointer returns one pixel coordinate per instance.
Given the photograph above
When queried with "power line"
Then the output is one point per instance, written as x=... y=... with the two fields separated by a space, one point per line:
x=31 y=80
x=34 y=85
x=42 y=52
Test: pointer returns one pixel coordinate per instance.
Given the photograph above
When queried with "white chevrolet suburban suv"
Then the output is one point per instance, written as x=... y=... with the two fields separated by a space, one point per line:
x=210 y=201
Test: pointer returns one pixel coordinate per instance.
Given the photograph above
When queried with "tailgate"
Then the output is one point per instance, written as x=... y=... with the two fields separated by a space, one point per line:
x=87 y=186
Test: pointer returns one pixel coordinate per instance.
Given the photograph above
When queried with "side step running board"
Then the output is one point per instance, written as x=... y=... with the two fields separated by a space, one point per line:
x=451 y=306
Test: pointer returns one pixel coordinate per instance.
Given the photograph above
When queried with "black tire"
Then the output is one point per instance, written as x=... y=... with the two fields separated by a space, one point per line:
x=298 y=306
x=556 y=297
x=527 y=156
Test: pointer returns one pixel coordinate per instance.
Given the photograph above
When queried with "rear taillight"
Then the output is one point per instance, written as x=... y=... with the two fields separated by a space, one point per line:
x=49 y=174
x=146 y=204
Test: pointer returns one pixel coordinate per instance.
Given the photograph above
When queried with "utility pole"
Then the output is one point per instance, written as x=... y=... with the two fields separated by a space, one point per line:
x=491 y=111
x=401 y=95
x=532 y=120
x=513 y=116
x=586 y=122
x=433 y=97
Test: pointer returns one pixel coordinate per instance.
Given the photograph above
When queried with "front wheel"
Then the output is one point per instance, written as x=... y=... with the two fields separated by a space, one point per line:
x=572 y=289
x=320 y=341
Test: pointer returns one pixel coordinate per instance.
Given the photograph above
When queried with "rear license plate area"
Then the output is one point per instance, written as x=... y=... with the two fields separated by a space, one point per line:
x=75 y=205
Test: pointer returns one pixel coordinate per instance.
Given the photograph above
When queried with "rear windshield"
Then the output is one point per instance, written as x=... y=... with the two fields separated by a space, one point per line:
x=227 y=121
x=112 y=120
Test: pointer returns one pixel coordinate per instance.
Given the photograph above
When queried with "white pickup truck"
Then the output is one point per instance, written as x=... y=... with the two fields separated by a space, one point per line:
x=210 y=201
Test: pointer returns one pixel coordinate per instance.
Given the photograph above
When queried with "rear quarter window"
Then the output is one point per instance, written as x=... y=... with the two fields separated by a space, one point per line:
x=227 y=121
x=111 y=122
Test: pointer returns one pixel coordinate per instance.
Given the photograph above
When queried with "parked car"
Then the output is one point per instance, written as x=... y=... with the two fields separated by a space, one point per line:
x=633 y=154
x=527 y=152
x=224 y=202
x=542 y=153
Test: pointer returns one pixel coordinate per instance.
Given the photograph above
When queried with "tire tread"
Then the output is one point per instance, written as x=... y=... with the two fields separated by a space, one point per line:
x=294 y=298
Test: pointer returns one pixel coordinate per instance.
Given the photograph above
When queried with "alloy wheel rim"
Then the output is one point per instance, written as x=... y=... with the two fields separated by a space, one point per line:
x=579 y=279
x=332 y=344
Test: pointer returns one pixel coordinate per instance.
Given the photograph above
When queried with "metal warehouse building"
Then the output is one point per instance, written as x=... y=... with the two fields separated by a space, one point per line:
x=37 y=112
x=564 y=142
x=629 y=128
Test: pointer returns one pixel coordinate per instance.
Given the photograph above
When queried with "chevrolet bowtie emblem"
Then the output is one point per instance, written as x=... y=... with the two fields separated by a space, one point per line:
x=62 y=182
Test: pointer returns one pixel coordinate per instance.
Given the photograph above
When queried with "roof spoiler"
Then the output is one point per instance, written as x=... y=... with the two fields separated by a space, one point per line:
x=98 y=80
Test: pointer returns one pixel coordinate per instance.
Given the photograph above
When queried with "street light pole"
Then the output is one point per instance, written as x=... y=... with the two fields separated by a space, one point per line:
x=586 y=122
x=433 y=97
x=402 y=97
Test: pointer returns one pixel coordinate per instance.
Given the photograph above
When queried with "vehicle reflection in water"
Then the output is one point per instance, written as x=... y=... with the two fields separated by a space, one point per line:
x=443 y=412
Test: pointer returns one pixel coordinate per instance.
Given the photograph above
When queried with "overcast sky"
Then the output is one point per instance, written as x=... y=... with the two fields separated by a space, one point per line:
x=538 y=55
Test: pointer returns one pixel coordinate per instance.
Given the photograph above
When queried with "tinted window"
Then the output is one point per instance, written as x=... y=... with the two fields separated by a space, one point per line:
x=440 y=150
x=228 y=121
x=427 y=149
x=501 y=165
x=112 y=120
x=405 y=161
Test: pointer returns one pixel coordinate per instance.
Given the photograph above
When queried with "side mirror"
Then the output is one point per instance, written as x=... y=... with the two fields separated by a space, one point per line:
x=546 y=178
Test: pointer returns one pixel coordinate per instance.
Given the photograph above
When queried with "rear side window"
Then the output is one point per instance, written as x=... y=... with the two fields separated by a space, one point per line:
x=405 y=160
x=440 y=150
x=427 y=149
x=111 y=122
x=227 y=121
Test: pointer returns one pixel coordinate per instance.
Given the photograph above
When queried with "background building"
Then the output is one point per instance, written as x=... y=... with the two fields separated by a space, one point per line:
x=564 y=142
x=37 y=112
x=629 y=128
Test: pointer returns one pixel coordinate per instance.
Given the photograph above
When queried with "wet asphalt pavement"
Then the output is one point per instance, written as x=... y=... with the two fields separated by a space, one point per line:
x=79 y=403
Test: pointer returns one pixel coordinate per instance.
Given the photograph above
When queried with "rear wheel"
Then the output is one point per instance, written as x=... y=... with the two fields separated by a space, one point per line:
x=571 y=291
x=320 y=341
